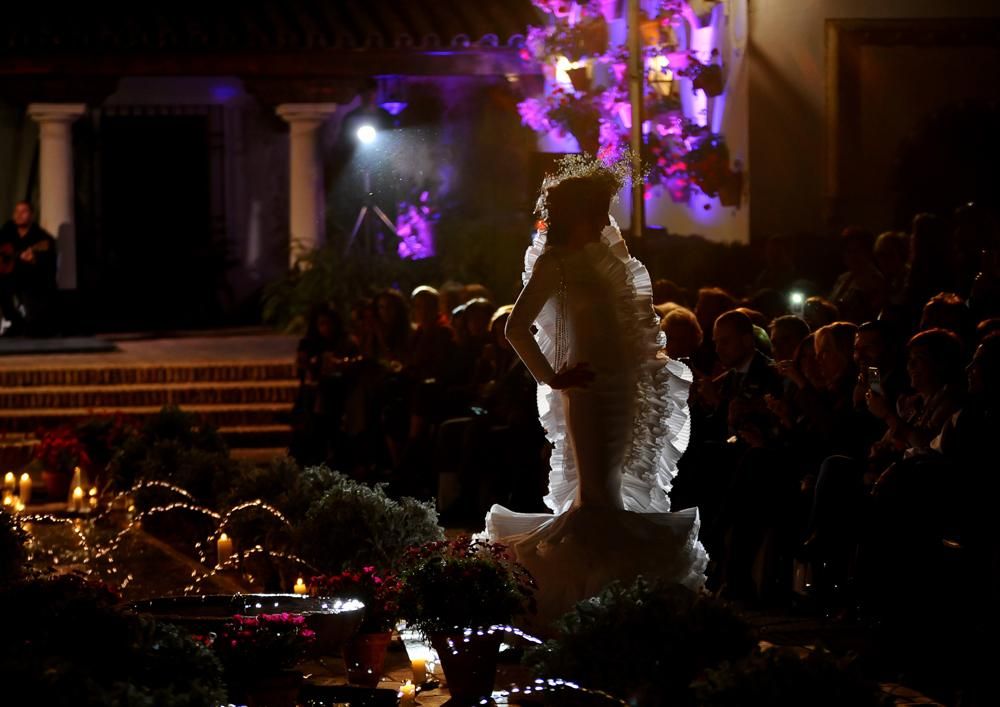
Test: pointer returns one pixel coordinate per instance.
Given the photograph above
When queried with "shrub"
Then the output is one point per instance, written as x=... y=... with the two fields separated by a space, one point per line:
x=782 y=678
x=69 y=644
x=355 y=525
x=13 y=554
x=645 y=642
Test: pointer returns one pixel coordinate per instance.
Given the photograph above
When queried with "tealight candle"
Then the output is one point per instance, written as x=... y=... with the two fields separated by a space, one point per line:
x=224 y=547
x=92 y=497
x=8 y=482
x=419 y=666
x=407 y=694
x=8 y=501
x=25 y=489
x=300 y=587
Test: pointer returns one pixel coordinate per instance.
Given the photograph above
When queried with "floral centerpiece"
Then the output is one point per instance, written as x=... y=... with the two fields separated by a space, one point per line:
x=257 y=654
x=454 y=591
x=58 y=452
x=364 y=654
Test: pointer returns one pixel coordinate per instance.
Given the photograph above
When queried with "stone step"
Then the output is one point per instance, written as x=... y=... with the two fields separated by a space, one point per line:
x=147 y=394
x=272 y=436
x=223 y=415
x=147 y=374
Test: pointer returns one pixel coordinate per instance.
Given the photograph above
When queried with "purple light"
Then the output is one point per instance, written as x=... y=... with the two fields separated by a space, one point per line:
x=224 y=93
x=394 y=108
x=415 y=226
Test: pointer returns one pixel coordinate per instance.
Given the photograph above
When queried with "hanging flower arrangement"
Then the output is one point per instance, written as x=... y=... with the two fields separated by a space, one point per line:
x=587 y=92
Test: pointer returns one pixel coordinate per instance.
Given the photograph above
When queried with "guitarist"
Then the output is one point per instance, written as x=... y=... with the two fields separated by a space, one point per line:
x=27 y=273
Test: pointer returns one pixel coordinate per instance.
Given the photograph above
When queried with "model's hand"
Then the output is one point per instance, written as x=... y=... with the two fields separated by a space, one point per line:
x=576 y=376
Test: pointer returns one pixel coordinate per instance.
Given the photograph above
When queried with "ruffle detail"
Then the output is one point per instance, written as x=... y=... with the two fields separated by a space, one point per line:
x=661 y=426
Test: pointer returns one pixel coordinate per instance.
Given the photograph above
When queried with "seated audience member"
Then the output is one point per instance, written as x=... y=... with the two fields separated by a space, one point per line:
x=712 y=303
x=756 y=317
x=860 y=291
x=27 y=275
x=392 y=329
x=324 y=362
x=669 y=291
x=877 y=346
x=684 y=335
x=771 y=303
x=892 y=251
x=947 y=310
x=748 y=374
x=819 y=312
x=987 y=327
x=432 y=345
x=934 y=362
x=931 y=264
x=786 y=333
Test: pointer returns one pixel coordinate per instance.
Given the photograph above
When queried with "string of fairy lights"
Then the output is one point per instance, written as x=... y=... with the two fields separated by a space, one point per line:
x=91 y=551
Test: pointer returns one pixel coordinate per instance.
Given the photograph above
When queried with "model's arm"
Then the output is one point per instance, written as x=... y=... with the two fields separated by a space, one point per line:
x=541 y=286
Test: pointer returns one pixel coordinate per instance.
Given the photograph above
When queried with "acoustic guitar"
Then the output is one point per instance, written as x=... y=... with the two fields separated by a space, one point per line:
x=9 y=255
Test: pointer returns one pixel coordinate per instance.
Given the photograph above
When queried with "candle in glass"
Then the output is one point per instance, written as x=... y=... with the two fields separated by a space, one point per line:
x=25 y=489
x=407 y=694
x=300 y=587
x=419 y=666
x=224 y=548
x=8 y=482
x=78 y=499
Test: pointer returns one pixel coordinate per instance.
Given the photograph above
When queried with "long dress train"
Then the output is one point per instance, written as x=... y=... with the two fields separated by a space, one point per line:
x=615 y=444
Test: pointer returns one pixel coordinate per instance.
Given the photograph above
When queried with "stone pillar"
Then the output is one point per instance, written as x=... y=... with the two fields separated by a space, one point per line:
x=307 y=213
x=55 y=176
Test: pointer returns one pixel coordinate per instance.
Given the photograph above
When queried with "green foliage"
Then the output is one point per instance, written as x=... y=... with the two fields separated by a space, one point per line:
x=13 y=555
x=354 y=525
x=324 y=275
x=453 y=585
x=69 y=644
x=644 y=642
x=174 y=447
x=782 y=678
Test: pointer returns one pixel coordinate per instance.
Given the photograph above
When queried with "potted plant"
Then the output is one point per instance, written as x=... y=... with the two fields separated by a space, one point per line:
x=364 y=653
x=258 y=654
x=58 y=453
x=454 y=592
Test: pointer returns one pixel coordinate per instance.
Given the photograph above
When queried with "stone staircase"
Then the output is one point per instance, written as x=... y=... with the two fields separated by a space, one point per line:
x=248 y=401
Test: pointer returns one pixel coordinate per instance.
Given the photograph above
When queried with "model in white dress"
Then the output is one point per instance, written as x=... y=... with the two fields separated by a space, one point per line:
x=615 y=442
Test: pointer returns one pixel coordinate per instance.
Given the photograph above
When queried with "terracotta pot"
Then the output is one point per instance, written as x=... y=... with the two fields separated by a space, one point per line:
x=470 y=666
x=56 y=485
x=364 y=656
x=279 y=690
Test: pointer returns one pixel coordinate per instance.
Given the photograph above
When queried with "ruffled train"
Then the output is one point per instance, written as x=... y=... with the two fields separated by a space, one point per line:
x=577 y=550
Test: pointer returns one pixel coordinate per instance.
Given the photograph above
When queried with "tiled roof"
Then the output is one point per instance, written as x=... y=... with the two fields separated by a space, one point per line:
x=40 y=27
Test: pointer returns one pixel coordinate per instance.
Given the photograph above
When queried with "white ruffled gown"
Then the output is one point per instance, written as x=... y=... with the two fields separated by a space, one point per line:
x=615 y=444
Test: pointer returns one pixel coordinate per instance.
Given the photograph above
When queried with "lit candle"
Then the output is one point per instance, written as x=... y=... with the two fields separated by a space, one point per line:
x=300 y=587
x=92 y=497
x=419 y=666
x=8 y=482
x=19 y=506
x=25 y=489
x=78 y=499
x=407 y=694
x=8 y=502
x=224 y=547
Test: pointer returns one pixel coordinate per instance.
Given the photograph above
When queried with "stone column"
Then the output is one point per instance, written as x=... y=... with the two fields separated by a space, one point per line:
x=307 y=213
x=55 y=176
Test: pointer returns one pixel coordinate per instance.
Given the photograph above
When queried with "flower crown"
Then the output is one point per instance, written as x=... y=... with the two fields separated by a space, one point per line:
x=585 y=177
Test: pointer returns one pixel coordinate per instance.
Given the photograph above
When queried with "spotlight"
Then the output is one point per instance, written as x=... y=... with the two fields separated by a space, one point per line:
x=366 y=134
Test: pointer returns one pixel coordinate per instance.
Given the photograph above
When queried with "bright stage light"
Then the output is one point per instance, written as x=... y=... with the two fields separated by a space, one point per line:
x=366 y=134
x=797 y=299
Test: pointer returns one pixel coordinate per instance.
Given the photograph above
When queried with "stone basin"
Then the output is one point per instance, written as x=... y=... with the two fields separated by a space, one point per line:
x=334 y=620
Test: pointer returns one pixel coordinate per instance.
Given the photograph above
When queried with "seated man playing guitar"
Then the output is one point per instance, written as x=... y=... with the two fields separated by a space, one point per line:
x=27 y=274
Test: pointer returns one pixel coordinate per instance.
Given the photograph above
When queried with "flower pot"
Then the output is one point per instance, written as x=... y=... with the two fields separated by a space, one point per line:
x=470 y=666
x=277 y=690
x=364 y=656
x=56 y=485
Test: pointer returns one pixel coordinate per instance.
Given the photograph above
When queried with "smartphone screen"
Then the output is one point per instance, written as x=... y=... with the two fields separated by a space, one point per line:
x=875 y=380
